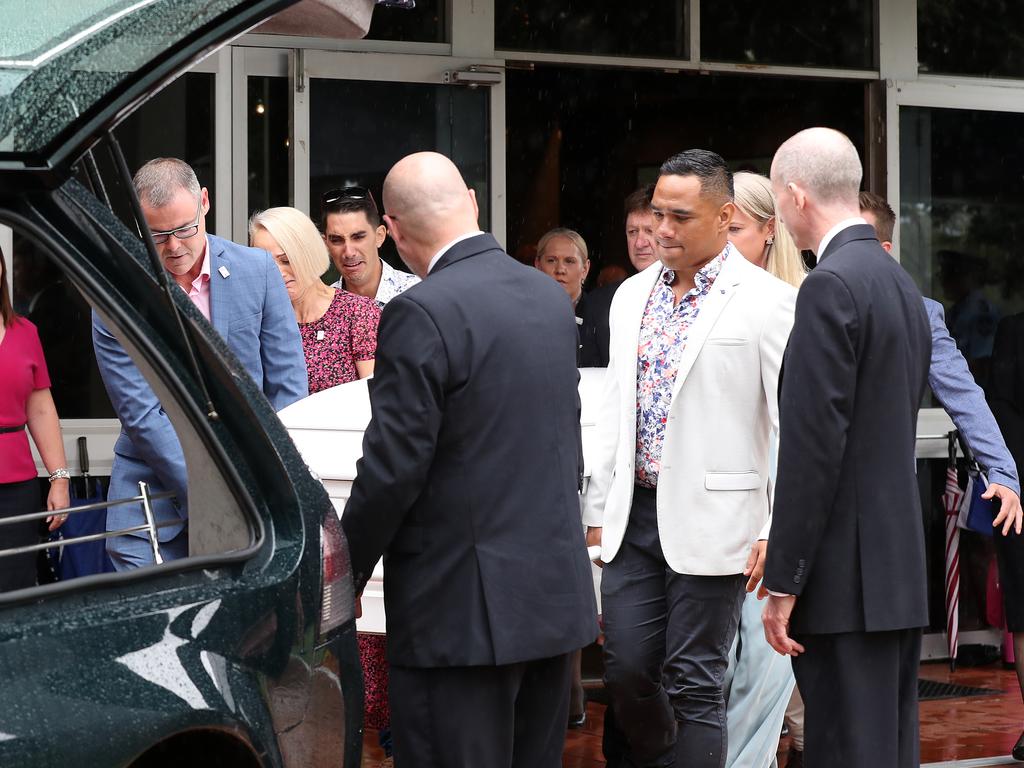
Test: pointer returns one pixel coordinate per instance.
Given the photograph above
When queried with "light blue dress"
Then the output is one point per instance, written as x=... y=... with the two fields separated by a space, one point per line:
x=758 y=683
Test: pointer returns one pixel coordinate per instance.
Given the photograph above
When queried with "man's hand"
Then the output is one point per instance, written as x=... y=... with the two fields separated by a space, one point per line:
x=755 y=567
x=1010 y=513
x=594 y=540
x=776 y=625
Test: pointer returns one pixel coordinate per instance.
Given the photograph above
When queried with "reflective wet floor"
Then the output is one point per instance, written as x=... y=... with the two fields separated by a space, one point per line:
x=959 y=732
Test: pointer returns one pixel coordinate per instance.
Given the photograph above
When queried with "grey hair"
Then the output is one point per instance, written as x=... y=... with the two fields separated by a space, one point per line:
x=823 y=161
x=158 y=180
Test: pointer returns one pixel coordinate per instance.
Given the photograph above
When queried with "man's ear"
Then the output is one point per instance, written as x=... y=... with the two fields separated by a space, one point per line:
x=476 y=207
x=799 y=196
x=380 y=234
x=725 y=214
x=887 y=245
x=204 y=200
x=391 y=227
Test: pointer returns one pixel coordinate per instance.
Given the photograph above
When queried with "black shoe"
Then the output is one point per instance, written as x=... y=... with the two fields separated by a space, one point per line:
x=1018 y=749
x=795 y=758
x=578 y=721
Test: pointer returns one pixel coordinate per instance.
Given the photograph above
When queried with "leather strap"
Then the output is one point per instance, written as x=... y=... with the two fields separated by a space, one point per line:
x=4 y=430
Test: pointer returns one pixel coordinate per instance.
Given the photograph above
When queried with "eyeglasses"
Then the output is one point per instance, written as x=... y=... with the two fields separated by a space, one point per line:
x=340 y=195
x=181 y=233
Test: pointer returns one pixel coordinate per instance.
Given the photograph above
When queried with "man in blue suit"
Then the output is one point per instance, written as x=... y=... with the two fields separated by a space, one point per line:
x=240 y=291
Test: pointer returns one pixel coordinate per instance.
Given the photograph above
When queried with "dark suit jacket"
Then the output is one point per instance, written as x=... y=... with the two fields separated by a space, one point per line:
x=846 y=533
x=593 y=309
x=1006 y=385
x=470 y=471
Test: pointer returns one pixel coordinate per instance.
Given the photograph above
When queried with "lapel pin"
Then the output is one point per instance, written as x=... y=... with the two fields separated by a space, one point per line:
x=224 y=271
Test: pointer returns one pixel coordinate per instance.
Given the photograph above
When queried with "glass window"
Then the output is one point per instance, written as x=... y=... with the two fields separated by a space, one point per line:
x=426 y=23
x=801 y=33
x=968 y=37
x=961 y=219
x=359 y=129
x=574 y=154
x=656 y=28
x=269 y=143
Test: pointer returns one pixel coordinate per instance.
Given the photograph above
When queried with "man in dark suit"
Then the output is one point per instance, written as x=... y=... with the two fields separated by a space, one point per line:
x=845 y=564
x=469 y=486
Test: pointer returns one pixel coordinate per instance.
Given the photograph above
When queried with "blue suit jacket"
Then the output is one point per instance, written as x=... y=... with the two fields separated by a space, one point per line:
x=964 y=401
x=250 y=309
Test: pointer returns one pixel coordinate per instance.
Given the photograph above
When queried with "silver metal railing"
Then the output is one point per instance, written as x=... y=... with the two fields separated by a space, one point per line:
x=150 y=527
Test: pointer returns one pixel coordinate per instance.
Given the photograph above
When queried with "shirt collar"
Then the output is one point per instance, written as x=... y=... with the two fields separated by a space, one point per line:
x=705 y=276
x=446 y=246
x=204 y=273
x=835 y=231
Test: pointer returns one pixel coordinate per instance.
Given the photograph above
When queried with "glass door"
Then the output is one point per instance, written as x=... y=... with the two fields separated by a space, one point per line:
x=364 y=112
x=954 y=182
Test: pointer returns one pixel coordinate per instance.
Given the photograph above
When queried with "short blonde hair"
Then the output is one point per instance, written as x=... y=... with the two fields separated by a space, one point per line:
x=298 y=237
x=571 y=235
x=753 y=196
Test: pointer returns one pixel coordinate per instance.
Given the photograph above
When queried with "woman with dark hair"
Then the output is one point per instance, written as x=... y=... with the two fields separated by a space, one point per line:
x=25 y=401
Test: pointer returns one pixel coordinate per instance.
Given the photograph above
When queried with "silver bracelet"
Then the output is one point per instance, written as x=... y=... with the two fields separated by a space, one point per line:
x=60 y=474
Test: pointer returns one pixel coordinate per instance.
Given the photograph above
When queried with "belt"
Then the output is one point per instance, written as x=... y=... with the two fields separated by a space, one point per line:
x=18 y=428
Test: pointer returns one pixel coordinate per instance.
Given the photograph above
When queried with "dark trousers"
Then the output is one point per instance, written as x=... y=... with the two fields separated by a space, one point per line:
x=667 y=639
x=860 y=697
x=19 y=571
x=509 y=716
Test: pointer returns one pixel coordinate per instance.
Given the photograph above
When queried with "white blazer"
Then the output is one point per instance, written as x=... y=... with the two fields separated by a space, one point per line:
x=713 y=493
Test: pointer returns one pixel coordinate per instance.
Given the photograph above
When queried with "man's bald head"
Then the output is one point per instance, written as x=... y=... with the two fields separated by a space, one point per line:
x=824 y=162
x=815 y=177
x=427 y=205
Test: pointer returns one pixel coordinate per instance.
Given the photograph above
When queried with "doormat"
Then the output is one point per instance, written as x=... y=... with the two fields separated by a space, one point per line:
x=928 y=690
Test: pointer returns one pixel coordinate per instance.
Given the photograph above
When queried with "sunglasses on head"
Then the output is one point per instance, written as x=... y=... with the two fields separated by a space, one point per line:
x=335 y=196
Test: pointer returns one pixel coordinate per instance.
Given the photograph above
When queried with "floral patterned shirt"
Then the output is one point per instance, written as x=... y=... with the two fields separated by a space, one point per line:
x=663 y=334
x=392 y=282
x=346 y=333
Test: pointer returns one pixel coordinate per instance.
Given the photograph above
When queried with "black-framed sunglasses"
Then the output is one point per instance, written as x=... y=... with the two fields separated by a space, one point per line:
x=181 y=233
x=340 y=195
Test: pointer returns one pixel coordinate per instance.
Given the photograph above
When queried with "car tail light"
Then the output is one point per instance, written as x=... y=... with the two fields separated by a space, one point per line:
x=337 y=604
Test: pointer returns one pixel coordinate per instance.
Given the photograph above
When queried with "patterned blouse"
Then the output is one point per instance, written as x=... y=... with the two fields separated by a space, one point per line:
x=663 y=334
x=347 y=332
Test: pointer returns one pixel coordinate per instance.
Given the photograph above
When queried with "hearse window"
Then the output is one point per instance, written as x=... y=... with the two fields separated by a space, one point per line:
x=46 y=295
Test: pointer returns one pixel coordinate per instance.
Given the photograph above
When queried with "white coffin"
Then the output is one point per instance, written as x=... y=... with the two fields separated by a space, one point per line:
x=328 y=430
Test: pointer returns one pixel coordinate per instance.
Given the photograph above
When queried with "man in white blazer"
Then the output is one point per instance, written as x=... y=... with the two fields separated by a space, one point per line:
x=679 y=496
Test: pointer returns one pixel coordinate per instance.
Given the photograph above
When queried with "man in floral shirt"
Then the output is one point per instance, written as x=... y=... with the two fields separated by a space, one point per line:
x=678 y=496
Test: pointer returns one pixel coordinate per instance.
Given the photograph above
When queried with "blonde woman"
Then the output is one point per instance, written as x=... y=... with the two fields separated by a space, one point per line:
x=757 y=233
x=760 y=681
x=338 y=328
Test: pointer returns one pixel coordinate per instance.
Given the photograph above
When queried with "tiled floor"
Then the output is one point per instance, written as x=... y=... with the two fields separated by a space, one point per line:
x=951 y=729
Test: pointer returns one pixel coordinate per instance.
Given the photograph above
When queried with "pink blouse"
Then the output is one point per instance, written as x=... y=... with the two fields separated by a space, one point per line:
x=22 y=371
x=346 y=333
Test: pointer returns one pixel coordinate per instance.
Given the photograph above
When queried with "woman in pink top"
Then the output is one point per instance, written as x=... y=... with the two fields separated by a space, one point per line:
x=25 y=401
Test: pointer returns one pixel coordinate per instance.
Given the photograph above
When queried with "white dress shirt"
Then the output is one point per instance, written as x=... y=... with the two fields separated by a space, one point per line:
x=835 y=231
x=446 y=246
